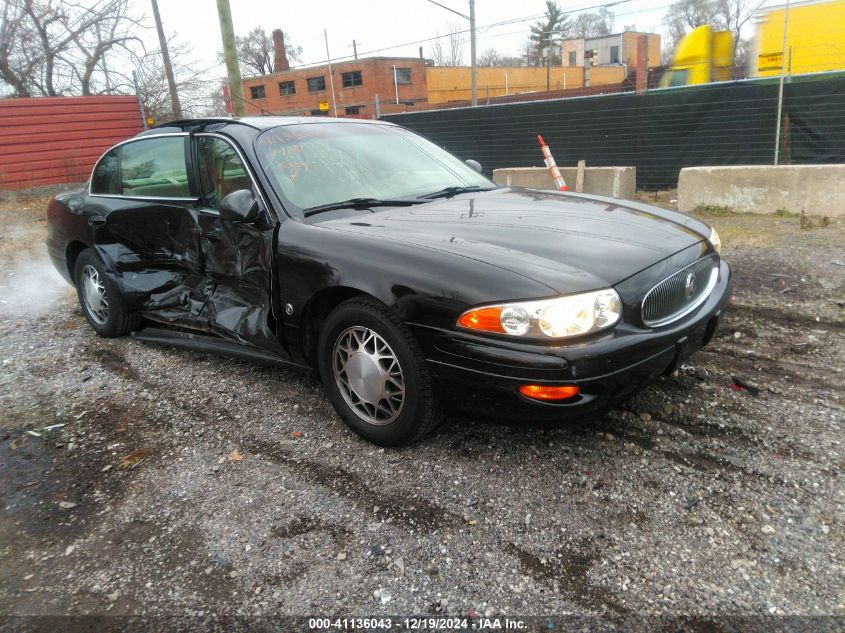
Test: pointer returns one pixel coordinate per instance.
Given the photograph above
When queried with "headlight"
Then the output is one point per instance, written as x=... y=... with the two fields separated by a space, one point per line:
x=714 y=240
x=555 y=318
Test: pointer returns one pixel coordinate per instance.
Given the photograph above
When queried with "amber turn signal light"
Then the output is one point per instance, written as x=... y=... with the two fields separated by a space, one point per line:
x=485 y=319
x=549 y=392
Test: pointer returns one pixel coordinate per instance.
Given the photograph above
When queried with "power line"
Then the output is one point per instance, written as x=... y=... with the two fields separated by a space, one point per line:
x=464 y=31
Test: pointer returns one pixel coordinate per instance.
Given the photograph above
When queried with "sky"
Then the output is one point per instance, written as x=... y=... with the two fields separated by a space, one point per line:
x=378 y=24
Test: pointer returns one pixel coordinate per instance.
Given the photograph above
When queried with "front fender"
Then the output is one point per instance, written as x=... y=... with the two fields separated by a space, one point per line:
x=424 y=286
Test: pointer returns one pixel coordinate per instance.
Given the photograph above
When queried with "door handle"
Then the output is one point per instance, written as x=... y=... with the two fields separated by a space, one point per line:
x=97 y=221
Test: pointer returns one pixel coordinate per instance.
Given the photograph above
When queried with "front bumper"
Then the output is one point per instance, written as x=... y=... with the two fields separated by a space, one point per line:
x=483 y=374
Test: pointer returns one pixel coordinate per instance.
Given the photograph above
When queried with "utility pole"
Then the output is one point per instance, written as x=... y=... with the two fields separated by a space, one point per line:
x=331 y=76
x=168 y=68
x=780 y=84
x=230 y=52
x=355 y=49
x=473 y=62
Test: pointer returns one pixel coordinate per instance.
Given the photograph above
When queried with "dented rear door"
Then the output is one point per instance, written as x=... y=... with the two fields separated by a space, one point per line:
x=149 y=235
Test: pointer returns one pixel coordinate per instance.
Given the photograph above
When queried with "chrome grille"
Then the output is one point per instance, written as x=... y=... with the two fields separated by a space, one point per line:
x=680 y=293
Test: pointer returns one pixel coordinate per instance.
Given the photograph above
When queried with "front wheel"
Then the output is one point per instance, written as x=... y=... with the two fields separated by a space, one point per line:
x=100 y=298
x=375 y=374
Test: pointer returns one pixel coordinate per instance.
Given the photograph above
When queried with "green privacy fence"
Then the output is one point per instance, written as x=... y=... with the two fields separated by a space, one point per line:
x=659 y=132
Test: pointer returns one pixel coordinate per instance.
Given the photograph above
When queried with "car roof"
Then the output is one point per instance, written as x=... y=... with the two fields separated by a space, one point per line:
x=257 y=122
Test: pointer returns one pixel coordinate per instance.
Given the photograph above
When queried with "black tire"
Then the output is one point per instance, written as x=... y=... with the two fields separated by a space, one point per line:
x=420 y=411
x=118 y=319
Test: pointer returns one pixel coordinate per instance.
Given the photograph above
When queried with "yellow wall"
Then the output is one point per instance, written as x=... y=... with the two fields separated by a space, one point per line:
x=816 y=35
x=453 y=83
x=606 y=75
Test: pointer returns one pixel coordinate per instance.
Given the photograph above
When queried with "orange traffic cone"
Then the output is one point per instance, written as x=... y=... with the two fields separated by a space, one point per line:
x=550 y=163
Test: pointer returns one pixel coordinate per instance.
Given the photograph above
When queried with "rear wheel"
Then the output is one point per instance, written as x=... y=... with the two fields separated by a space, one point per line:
x=376 y=375
x=100 y=298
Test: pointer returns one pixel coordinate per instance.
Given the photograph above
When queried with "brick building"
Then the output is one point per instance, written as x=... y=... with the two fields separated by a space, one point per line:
x=357 y=86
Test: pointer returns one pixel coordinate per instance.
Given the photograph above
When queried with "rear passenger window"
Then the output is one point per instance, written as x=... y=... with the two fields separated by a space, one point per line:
x=155 y=167
x=105 y=178
x=221 y=170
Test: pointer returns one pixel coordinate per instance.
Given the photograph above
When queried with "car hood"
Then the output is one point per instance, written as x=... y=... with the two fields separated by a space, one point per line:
x=567 y=242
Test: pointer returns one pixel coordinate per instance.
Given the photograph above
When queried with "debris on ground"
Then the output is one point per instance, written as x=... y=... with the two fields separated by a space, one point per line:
x=134 y=458
x=688 y=499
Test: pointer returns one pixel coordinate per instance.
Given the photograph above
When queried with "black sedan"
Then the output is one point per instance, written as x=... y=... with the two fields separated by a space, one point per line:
x=399 y=272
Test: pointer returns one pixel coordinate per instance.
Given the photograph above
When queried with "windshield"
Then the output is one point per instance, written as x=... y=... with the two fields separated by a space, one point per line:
x=318 y=164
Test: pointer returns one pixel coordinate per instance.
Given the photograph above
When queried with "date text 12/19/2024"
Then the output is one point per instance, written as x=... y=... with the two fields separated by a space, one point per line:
x=417 y=624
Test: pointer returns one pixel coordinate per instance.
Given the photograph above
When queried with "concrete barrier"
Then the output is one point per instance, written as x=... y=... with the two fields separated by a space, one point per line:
x=616 y=182
x=813 y=189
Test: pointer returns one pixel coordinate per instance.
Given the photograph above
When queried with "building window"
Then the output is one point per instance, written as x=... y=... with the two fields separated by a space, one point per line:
x=403 y=76
x=572 y=58
x=319 y=113
x=614 y=54
x=351 y=79
x=353 y=110
x=287 y=88
x=316 y=84
x=257 y=92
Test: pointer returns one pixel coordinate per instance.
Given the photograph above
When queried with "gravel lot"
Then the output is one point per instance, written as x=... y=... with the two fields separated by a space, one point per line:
x=182 y=483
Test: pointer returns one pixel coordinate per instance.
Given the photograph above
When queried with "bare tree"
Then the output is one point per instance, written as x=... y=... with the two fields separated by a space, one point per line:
x=728 y=15
x=489 y=57
x=743 y=50
x=592 y=24
x=193 y=82
x=528 y=52
x=438 y=55
x=511 y=61
x=256 y=54
x=52 y=47
x=456 y=46
x=216 y=103
x=685 y=15
x=18 y=54
x=733 y=15
x=492 y=58
x=453 y=55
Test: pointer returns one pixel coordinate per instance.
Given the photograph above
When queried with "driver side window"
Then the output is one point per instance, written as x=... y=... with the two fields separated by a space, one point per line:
x=220 y=169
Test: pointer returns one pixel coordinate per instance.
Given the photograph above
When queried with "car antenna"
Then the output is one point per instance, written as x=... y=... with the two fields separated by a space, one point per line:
x=550 y=163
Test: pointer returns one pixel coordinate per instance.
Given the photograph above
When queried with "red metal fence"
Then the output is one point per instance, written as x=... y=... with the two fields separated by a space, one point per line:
x=48 y=140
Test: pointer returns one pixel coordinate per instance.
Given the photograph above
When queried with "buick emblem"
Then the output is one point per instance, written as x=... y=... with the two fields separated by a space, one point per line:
x=689 y=285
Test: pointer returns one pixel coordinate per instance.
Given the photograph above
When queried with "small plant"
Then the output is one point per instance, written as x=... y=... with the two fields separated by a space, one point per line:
x=786 y=213
x=807 y=223
x=712 y=210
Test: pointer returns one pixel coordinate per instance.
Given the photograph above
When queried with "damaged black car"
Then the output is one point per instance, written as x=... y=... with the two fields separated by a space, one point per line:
x=406 y=278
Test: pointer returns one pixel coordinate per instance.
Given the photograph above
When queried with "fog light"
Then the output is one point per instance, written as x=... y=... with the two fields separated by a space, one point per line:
x=549 y=392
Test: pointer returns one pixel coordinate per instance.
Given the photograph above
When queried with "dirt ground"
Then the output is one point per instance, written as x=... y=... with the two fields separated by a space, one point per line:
x=137 y=479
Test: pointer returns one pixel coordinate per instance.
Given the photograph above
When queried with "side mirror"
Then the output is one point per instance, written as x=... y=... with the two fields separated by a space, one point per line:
x=239 y=206
x=474 y=164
